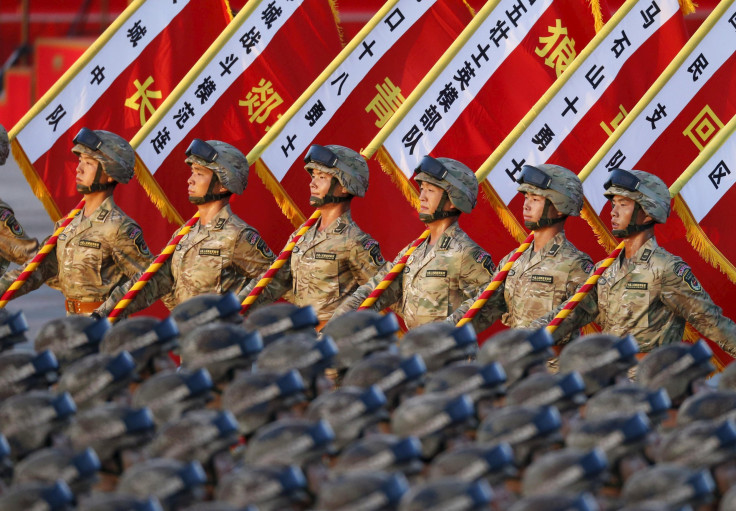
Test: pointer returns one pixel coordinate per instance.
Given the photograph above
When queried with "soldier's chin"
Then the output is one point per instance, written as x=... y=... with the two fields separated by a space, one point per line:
x=315 y=201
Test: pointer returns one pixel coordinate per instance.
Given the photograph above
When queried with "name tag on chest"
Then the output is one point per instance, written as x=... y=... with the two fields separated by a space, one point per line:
x=544 y=279
x=325 y=256
x=209 y=251
x=637 y=285
x=436 y=273
x=90 y=244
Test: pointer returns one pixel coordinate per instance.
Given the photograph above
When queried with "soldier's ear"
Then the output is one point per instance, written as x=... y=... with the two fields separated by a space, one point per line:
x=341 y=190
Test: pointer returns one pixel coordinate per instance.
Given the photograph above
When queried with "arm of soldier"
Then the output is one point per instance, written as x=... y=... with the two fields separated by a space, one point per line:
x=129 y=250
x=585 y=312
x=157 y=286
x=683 y=293
x=280 y=284
x=365 y=259
x=48 y=269
x=15 y=244
x=251 y=258
x=476 y=271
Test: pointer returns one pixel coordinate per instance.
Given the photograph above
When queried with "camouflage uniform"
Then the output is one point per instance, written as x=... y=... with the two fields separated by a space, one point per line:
x=539 y=281
x=325 y=267
x=224 y=255
x=437 y=278
x=652 y=294
x=15 y=245
x=92 y=256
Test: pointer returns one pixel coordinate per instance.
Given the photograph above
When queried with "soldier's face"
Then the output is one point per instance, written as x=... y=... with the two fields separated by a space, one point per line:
x=533 y=207
x=429 y=197
x=621 y=210
x=86 y=171
x=199 y=181
x=320 y=183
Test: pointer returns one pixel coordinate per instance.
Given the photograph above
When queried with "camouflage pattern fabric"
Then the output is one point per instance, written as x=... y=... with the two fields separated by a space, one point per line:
x=224 y=255
x=325 y=267
x=649 y=296
x=433 y=285
x=4 y=145
x=93 y=255
x=537 y=283
x=15 y=245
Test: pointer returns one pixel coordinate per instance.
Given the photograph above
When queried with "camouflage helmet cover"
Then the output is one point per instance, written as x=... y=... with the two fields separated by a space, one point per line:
x=653 y=195
x=231 y=166
x=351 y=170
x=460 y=184
x=115 y=154
x=4 y=145
x=565 y=191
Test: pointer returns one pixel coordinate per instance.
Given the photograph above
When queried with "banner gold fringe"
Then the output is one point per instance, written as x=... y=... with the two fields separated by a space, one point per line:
x=508 y=220
x=595 y=7
x=687 y=6
x=290 y=210
x=700 y=241
x=155 y=193
x=399 y=179
x=470 y=8
x=338 y=22
x=602 y=234
x=37 y=185
x=228 y=10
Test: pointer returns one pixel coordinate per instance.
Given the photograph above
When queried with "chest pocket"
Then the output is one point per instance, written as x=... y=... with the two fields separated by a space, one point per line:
x=427 y=291
x=633 y=299
x=87 y=256
x=204 y=267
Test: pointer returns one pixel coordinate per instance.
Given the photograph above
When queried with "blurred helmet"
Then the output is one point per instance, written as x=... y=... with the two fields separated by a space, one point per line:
x=145 y=338
x=174 y=483
x=670 y=484
x=368 y=491
x=347 y=167
x=380 y=453
x=205 y=308
x=30 y=496
x=113 y=152
x=563 y=391
x=566 y=502
x=727 y=380
x=275 y=320
x=456 y=179
x=628 y=398
x=649 y=193
x=565 y=471
x=23 y=370
x=448 y=493
x=97 y=378
x=71 y=337
x=440 y=343
x=675 y=367
x=701 y=444
x=616 y=435
x=558 y=185
x=394 y=375
x=518 y=350
x=290 y=441
x=171 y=394
x=229 y=165
x=360 y=333
x=474 y=461
x=601 y=359
x=116 y=502
x=268 y=488
x=77 y=469
x=714 y=405
x=12 y=328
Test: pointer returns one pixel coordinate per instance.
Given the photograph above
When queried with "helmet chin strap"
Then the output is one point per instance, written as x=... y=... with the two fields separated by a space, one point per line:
x=439 y=214
x=210 y=196
x=633 y=227
x=329 y=197
x=544 y=220
x=96 y=186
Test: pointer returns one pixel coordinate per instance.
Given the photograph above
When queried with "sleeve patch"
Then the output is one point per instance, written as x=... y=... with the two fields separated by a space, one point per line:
x=683 y=271
x=485 y=259
x=263 y=248
x=136 y=234
x=374 y=250
x=8 y=218
x=587 y=266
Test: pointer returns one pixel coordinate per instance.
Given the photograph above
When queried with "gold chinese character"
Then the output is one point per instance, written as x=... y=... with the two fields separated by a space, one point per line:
x=386 y=102
x=143 y=94
x=559 y=51
x=260 y=101
x=704 y=126
x=615 y=122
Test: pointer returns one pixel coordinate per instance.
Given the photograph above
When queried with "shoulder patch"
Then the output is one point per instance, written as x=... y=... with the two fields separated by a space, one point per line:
x=103 y=214
x=340 y=228
x=485 y=259
x=8 y=218
x=220 y=223
x=646 y=255
x=136 y=234
x=374 y=250
x=252 y=237
x=682 y=270
x=587 y=266
x=264 y=249
x=444 y=243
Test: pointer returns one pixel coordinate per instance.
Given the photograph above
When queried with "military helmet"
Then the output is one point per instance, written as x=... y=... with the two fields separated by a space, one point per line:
x=452 y=176
x=360 y=333
x=564 y=391
x=482 y=383
x=600 y=358
x=13 y=326
x=728 y=502
x=347 y=166
x=701 y=444
x=647 y=190
x=675 y=367
x=56 y=496
x=582 y=501
x=448 y=493
x=670 y=484
x=77 y=469
x=170 y=394
x=367 y=491
x=112 y=151
x=144 y=337
x=565 y=471
x=714 y=405
x=97 y=378
x=270 y=488
x=226 y=161
x=562 y=187
x=440 y=343
x=71 y=337
x=474 y=461
x=117 y=502
x=257 y=398
x=275 y=320
x=627 y=397
x=23 y=369
x=174 y=483
x=290 y=441
x=617 y=435
x=205 y=308
x=380 y=452
x=4 y=145
x=518 y=350
x=728 y=378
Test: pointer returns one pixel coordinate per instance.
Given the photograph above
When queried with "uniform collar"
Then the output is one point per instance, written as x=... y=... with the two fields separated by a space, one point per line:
x=645 y=252
x=553 y=246
x=447 y=236
x=339 y=225
x=102 y=213
x=220 y=219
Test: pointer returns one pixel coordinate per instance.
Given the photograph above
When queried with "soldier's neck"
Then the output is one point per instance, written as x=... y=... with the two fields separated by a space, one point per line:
x=543 y=235
x=633 y=243
x=331 y=212
x=93 y=200
x=209 y=210
x=438 y=227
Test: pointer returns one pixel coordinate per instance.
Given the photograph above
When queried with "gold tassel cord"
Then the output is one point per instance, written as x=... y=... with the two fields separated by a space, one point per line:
x=470 y=8
x=700 y=241
x=397 y=177
x=34 y=180
x=155 y=193
x=338 y=22
x=290 y=210
x=508 y=220
x=687 y=6
x=602 y=234
x=595 y=7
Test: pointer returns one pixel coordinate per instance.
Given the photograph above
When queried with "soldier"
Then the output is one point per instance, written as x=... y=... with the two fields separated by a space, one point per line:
x=221 y=253
x=334 y=256
x=15 y=245
x=647 y=292
x=448 y=267
x=102 y=246
x=550 y=271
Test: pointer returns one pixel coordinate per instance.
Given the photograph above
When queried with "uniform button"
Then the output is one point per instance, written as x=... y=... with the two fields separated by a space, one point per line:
x=178 y=246
x=296 y=250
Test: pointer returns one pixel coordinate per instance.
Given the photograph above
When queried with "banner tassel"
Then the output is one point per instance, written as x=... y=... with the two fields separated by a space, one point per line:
x=37 y=185
x=155 y=193
x=595 y=7
x=604 y=237
x=290 y=210
x=508 y=220
x=687 y=6
x=338 y=22
x=397 y=177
